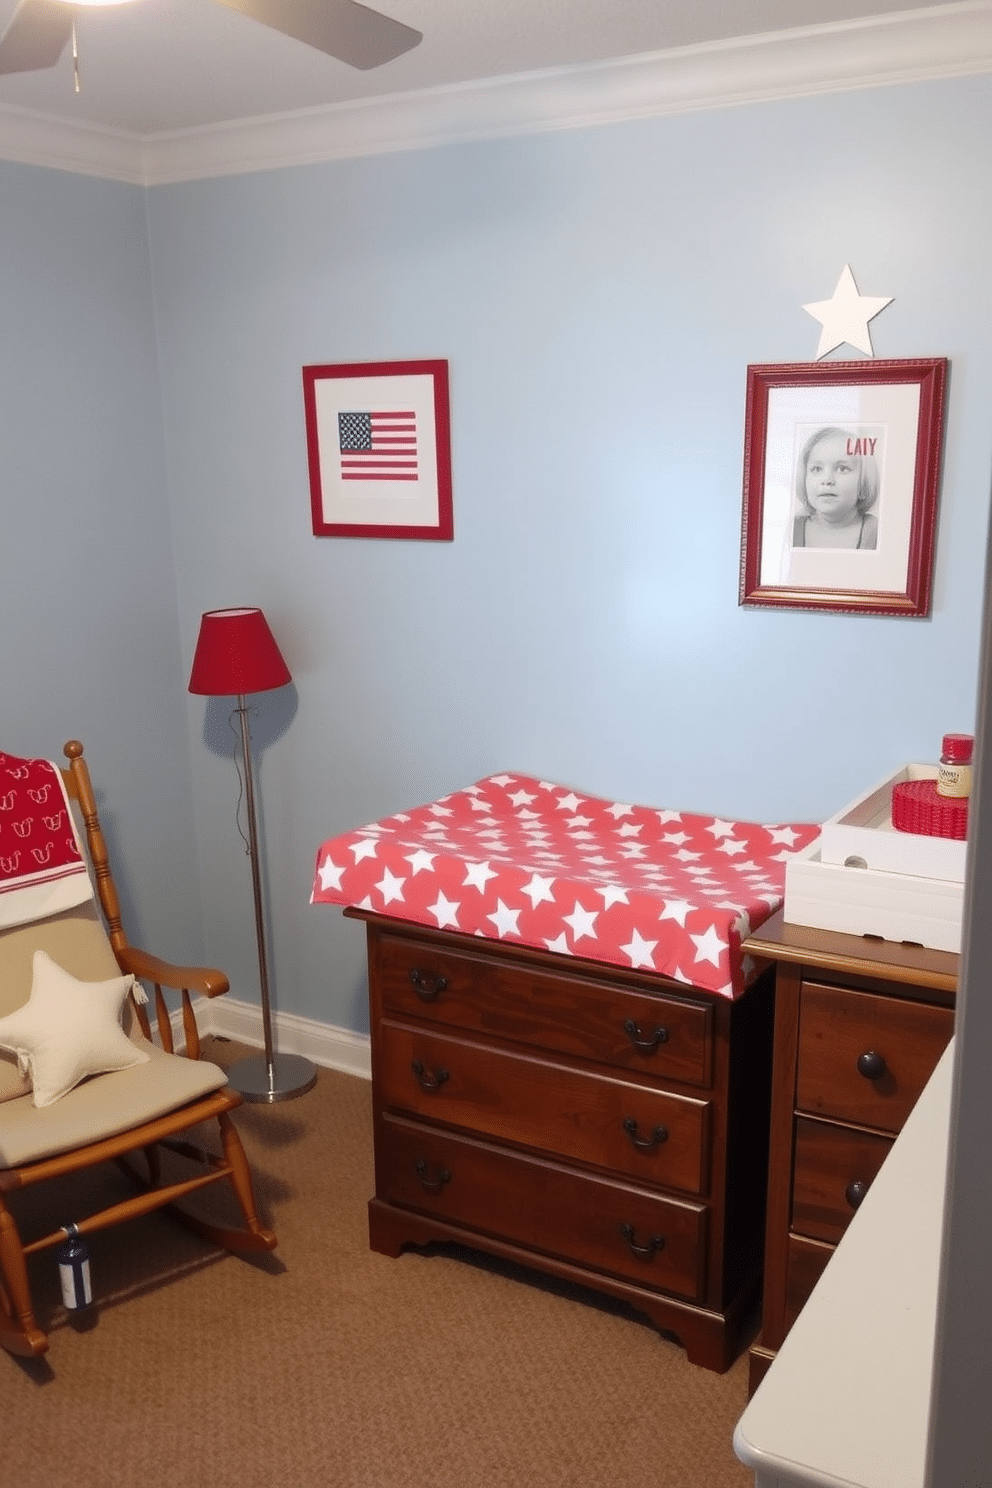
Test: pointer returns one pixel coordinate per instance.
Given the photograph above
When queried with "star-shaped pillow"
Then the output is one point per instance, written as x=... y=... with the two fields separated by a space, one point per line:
x=68 y=1029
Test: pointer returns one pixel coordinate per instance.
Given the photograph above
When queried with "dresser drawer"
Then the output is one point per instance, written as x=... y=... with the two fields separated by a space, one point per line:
x=610 y=1226
x=806 y=1263
x=834 y=1167
x=566 y=1013
x=585 y=1115
x=864 y=1058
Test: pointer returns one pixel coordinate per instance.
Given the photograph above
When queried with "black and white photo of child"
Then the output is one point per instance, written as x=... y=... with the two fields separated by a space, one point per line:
x=837 y=490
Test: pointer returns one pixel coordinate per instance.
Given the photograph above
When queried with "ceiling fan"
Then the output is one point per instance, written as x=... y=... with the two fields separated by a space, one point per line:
x=41 y=29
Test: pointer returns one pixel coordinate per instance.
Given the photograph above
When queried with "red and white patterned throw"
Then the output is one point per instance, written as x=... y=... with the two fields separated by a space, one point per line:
x=512 y=858
x=42 y=871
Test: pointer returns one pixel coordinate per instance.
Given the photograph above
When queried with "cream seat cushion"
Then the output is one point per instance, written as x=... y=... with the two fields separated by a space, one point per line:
x=107 y=1104
x=76 y=939
x=104 y=1106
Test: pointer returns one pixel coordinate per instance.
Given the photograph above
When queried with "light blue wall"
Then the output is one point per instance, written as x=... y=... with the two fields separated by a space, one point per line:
x=598 y=295
x=89 y=638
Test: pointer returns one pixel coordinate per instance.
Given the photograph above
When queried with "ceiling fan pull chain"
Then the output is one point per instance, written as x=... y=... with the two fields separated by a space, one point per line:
x=38 y=33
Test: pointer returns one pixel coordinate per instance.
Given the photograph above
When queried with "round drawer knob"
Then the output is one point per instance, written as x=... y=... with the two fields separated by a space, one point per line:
x=871 y=1065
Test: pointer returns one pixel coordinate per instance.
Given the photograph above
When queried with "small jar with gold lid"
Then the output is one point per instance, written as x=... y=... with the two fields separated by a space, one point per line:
x=954 y=770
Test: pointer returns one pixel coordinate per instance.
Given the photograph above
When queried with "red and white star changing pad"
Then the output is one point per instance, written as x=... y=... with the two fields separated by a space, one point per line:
x=511 y=858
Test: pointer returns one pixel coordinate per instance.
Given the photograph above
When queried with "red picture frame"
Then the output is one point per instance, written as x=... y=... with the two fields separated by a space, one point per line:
x=863 y=541
x=379 y=449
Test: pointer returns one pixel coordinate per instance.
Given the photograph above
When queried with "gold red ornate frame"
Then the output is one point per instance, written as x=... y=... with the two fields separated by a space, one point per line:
x=893 y=408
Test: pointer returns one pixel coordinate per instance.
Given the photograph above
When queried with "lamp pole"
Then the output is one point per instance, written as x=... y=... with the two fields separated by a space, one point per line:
x=273 y=1077
x=236 y=654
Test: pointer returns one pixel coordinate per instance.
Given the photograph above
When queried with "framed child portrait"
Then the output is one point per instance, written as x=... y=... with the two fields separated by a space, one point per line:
x=378 y=449
x=841 y=475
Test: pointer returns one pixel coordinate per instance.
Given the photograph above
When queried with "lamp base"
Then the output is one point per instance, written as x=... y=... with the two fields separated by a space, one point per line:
x=287 y=1076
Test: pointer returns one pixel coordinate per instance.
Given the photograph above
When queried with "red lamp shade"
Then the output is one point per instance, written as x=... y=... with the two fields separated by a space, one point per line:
x=236 y=653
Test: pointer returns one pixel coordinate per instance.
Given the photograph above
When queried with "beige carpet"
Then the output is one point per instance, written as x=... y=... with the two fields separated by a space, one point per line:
x=324 y=1364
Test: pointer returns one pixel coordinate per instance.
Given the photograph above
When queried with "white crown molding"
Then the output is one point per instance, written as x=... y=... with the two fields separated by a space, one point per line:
x=84 y=149
x=909 y=46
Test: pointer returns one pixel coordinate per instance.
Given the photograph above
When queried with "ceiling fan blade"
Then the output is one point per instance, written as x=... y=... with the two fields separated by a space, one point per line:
x=354 y=34
x=36 y=37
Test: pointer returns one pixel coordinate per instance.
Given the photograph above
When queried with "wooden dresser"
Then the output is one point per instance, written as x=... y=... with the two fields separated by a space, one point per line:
x=859 y=1026
x=607 y=1126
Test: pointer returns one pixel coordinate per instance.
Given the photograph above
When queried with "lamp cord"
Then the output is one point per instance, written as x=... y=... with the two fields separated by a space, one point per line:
x=238 y=746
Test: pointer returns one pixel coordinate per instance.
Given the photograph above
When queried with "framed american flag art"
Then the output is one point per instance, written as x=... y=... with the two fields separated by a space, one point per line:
x=379 y=449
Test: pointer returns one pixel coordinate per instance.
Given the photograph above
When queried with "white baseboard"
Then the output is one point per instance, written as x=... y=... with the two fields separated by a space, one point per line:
x=322 y=1043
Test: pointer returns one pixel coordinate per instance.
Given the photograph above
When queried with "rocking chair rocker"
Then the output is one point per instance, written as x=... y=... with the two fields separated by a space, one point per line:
x=144 y=1105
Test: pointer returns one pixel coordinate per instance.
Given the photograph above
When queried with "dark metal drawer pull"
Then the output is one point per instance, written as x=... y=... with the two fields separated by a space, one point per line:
x=643 y=1252
x=855 y=1192
x=644 y=1144
x=633 y=1032
x=426 y=1081
x=871 y=1065
x=432 y=1185
x=427 y=986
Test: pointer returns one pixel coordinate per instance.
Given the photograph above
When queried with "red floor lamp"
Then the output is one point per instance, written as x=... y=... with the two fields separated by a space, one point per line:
x=236 y=653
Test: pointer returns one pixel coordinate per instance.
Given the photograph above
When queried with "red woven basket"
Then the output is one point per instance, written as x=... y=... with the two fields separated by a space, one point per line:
x=917 y=807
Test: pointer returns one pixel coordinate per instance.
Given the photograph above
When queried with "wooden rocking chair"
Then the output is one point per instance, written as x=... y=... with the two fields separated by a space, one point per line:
x=111 y=1115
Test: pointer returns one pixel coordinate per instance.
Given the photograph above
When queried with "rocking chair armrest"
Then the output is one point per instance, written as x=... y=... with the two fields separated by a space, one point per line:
x=206 y=980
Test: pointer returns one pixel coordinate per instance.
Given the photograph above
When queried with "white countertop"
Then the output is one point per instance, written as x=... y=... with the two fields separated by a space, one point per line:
x=846 y=1404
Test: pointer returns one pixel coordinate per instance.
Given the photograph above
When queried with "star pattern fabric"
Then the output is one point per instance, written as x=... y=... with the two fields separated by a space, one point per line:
x=518 y=859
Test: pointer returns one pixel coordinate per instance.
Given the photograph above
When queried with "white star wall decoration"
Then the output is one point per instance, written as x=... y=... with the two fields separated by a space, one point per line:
x=845 y=316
